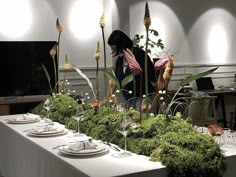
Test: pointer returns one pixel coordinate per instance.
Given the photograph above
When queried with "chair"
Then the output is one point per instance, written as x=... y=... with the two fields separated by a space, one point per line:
x=201 y=110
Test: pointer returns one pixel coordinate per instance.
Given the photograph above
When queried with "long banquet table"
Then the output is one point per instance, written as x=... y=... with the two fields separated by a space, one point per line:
x=25 y=156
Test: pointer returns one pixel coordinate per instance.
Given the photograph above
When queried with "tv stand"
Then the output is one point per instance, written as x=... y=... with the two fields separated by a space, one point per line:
x=19 y=104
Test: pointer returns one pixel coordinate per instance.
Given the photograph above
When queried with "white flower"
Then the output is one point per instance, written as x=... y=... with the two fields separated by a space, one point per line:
x=117 y=91
x=113 y=95
x=110 y=101
x=86 y=94
x=161 y=98
x=47 y=102
x=164 y=92
x=134 y=125
x=130 y=92
x=151 y=114
x=160 y=92
x=144 y=96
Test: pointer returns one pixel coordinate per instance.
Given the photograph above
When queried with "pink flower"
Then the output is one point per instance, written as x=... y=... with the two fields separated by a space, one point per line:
x=160 y=80
x=95 y=103
x=143 y=106
x=165 y=65
x=215 y=130
x=133 y=64
x=161 y=63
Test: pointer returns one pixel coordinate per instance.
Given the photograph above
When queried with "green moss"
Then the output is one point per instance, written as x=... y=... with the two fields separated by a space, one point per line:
x=143 y=146
x=62 y=107
x=191 y=154
x=174 y=142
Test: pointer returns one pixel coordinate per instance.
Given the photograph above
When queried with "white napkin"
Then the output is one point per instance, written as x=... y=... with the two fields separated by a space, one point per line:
x=49 y=128
x=81 y=145
x=27 y=116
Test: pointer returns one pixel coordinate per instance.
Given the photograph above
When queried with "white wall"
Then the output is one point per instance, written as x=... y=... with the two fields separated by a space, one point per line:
x=200 y=34
x=197 y=32
x=42 y=26
x=35 y=20
x=184 y=25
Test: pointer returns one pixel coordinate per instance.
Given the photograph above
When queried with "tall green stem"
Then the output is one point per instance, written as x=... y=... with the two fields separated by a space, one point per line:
x=146 y=71
x=97 y=84
x=134 y=89
x=140 y=94
x=105 y=62
x=58 y=56
x=64 y=81
x=55 y=72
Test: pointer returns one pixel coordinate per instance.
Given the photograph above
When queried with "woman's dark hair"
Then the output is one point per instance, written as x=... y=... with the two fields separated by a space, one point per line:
x=120 y=40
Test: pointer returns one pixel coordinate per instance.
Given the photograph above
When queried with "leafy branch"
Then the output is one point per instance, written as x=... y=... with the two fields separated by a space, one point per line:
x=151 y=42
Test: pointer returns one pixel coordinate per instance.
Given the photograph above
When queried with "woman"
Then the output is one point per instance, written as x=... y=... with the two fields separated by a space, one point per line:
x=120 y=43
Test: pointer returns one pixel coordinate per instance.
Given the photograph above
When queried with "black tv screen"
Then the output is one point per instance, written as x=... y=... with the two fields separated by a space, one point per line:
x=21 y=70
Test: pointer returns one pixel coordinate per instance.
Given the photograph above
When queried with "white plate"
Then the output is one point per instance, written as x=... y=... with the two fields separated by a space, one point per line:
x=22 y=121
x=47 y=135
x=35 y=132
x=99 y=147
x=65 y=150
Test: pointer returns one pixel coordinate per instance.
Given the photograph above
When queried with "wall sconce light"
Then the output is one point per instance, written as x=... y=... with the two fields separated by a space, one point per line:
x=15 y=17
x=217 y=44
x=84 y=18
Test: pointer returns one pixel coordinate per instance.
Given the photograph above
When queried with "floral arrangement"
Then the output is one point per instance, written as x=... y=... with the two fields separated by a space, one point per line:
x=165 y=137
x=174 y=142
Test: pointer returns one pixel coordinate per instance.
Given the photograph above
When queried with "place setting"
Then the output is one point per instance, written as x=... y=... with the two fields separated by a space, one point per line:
x=48 y=130
x=24 y=119
x=83 y=147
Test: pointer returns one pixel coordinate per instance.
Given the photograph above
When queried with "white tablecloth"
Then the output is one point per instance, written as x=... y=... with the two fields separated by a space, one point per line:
x=24 y=156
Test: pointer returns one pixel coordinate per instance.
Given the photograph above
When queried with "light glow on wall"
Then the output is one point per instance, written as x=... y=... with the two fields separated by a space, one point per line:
x=159 y=25
x=84 y=18
x=15 y=17
x=165 y=22
x=217 y=44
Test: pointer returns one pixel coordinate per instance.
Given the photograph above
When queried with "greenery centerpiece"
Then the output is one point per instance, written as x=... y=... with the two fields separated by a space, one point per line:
x=166 y=137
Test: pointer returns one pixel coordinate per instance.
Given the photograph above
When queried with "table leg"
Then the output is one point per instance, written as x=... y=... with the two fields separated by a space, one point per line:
x=222 y=102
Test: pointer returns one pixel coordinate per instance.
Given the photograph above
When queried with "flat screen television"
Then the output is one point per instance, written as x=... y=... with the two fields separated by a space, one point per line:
x=21 y=72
